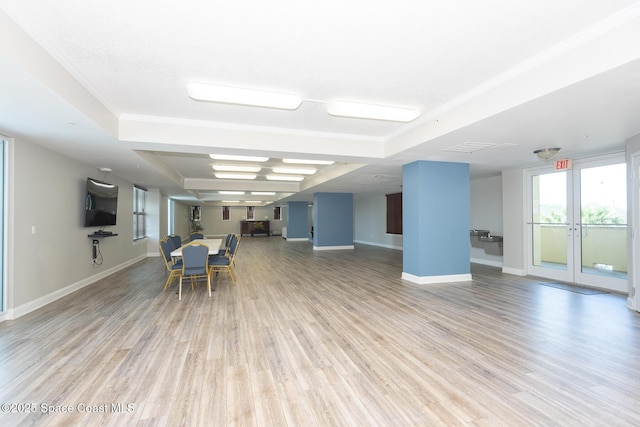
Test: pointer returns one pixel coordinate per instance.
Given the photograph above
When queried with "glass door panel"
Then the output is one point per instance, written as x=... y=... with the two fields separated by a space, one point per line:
x=550 y=229
x=603 y=226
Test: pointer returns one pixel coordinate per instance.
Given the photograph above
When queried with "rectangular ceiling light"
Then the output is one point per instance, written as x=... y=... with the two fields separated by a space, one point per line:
x=308 y=162
x=305 y=171
x=263 y=193
x=238 y=158
x=239 y=96
x=285 y=177
x=227 y=192
x=230 y=201
x=231 y=175
x=368 y=111
x=235 y=168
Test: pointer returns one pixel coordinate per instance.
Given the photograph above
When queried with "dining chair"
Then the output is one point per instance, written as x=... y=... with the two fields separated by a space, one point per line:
x=195 y=236
x=176 y=239
x=227 y=242
x=194 y=265
x=173 y=268
x=226 y=263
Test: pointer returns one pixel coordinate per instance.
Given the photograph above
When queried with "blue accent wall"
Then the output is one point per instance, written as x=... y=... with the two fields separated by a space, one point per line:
x=333 y=213
x=435 y=218
x=297 y=220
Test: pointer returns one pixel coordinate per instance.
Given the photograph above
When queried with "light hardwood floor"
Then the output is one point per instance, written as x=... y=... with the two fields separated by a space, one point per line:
x=324 y=338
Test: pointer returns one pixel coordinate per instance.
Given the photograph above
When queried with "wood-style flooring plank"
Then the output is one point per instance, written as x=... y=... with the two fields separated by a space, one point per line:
x=323 y=338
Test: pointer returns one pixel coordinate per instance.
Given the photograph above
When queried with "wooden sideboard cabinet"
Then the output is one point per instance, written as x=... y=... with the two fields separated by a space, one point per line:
x=255 y=228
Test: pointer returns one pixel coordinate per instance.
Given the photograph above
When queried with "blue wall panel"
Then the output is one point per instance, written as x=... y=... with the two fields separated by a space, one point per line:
x=436 y=209
x=333 y=213
x=297 y=220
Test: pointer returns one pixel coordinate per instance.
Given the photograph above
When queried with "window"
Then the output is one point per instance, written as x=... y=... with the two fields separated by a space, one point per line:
x=277 y=213
x=139 y=212
x=394 y=213
x=250 y=211
x=170 y=210
x=226 y=214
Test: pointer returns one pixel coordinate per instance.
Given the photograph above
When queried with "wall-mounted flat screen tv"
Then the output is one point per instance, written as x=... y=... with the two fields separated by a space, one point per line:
x=101 y=203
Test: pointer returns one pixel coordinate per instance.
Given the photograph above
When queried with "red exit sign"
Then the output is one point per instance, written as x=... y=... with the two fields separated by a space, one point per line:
x=563 y=164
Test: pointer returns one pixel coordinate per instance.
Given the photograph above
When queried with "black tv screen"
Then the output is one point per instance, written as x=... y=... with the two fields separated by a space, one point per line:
x=101 y=203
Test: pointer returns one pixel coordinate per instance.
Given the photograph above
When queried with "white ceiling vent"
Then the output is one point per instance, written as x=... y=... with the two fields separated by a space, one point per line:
x=470 y=147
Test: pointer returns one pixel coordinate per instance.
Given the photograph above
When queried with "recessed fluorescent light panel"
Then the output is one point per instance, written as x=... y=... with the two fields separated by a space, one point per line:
x=284 y=177
x=308 y=162
x=302 y=171
x=263 y=193
x=231 y=175
x=368 y=111
x=238 y=158
x=231 y=201
x=236 y=168
x=229 y=193
x=239 y=96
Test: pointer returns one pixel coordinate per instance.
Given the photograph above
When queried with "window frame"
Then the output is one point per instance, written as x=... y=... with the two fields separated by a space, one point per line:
x=139 y=212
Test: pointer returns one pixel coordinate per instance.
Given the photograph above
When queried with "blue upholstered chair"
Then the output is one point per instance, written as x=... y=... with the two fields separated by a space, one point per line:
x=173 y=268
x=194 y=265
x=176 y=239
x=227 y=242
x=226 y=263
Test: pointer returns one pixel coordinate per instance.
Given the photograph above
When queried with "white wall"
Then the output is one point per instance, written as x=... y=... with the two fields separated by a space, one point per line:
x=48 y=195
x=633 y=219
x=370 y=227
x=513 y=199
x=486 y=214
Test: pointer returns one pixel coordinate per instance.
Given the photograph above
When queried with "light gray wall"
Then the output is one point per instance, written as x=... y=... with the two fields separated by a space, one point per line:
x=48 y=191
x=181 y=220
x=153 y=217
x=214 y=226
x=486 y=214
x=370 y=215
x=370 y=228
x=633 y=219
x=513 y=196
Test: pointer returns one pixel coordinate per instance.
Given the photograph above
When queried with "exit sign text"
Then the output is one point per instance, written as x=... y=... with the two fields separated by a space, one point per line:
x=563 y=164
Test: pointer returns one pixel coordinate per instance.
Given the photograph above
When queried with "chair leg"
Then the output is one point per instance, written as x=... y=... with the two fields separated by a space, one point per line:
x=172 y=276
x=180 y=290
x=209 y=284
x=232 y=274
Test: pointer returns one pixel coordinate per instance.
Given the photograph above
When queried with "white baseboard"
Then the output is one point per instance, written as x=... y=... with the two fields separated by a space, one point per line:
x=380 y=245
x=486 y=262
x=56 y=295
x=426 y=280
x=514 y=271
x=332 y=248
x=630 y=303
x=297 y=239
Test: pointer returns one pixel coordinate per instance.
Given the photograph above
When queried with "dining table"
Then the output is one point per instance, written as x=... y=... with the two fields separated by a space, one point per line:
x=213 y=244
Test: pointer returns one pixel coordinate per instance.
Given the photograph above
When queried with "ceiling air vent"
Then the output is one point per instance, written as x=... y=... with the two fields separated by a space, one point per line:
x=470 y=147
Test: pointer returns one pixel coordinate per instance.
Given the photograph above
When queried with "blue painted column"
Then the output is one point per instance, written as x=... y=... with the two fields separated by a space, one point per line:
x=435 y=222
x=298 y=221
x=333 y=227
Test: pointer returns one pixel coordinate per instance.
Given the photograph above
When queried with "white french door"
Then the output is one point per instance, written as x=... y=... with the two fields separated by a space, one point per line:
x=577 y=223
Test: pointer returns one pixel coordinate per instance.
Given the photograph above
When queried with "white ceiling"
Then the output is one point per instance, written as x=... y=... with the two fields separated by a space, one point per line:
x=515 y=75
